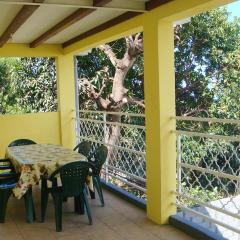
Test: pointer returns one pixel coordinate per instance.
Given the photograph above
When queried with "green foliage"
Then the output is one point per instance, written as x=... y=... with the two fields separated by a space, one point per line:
x=27 y=85
x=198 y=193
x=7 y=95
x=91 y=66
x=207 y=66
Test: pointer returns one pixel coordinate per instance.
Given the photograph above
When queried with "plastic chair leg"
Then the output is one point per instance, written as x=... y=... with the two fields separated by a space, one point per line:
x=87 y=207
x=44 y=199
x=97 y=183
x=4 y=196
x=57 y=198
x=79 y=205
x=92 y=193
x=30 y=211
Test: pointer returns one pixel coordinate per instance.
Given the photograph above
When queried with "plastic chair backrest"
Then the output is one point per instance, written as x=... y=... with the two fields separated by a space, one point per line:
x=73 y=177
x=5 y=163
x=21 y=142
x=84 y=148
x=100 y=157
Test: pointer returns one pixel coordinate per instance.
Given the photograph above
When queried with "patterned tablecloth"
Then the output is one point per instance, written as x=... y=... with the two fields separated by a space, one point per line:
x=34 y=161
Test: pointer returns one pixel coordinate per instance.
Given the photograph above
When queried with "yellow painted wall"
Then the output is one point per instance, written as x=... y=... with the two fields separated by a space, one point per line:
x=44 y=127
x=66 y=93
x=40 y=127
x=23 y=50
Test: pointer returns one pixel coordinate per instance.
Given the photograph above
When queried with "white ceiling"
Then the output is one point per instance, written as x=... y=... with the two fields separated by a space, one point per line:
x=46 y=17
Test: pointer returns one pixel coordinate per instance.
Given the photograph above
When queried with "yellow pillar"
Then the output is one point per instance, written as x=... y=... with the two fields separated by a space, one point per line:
x=66 y=93
x=159 y=82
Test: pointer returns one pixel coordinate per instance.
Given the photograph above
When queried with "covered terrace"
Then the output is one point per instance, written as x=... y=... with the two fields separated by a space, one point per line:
x=63 y=29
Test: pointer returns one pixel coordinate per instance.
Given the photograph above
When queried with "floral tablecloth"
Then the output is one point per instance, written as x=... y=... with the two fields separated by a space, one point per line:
x=34 y=161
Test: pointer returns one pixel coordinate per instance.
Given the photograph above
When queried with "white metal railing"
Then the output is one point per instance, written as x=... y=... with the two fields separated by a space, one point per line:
x=208 y=174
x=125 y=165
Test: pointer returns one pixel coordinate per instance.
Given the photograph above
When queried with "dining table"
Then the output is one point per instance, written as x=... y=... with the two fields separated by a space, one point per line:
x=33 y=161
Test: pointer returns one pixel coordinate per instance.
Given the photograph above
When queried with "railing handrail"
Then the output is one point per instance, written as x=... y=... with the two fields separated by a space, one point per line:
x=134 y=176
x=210 y=171
x=112 y=113
x=110 y=123
x=205 y=135
x=210 y=120
x=111 y=145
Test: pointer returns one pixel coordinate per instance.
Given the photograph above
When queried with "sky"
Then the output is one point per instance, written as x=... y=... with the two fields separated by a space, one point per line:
x=234 y=8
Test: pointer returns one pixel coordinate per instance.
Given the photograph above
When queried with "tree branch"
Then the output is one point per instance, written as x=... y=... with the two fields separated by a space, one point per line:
x=96 y=96
x=134 y=45
x=136 y=101
x=109 y=52
x=195 y=111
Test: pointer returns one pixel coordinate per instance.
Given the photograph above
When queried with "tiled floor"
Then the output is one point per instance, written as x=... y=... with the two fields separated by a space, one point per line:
x=118 y=220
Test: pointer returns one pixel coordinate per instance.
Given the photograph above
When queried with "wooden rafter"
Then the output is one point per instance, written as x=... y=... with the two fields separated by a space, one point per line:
x=124 y=17
x=68 y=21
x=155 y=3
x=22 y=16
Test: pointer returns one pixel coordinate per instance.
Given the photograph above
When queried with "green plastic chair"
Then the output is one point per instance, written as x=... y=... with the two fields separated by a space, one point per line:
x=73 y=177
x=84 y=148
x=21 y=142
x=8 y=180
x=100 y=157
x=45 y=190
x=29 y=205
x=5 y=163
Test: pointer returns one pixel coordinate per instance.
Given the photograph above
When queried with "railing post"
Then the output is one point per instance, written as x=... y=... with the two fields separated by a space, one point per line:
x=179 y=160
x=77 y=129
x=105 y=141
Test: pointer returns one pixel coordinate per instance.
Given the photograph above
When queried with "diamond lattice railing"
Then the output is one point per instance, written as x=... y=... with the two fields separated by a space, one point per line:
x=126 y=164
x=208 y=177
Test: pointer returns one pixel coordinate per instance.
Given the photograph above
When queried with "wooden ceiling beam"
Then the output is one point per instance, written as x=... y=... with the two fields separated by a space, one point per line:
x=68 y=21
x=124 y=17
x=155 y=3
x=22 y=16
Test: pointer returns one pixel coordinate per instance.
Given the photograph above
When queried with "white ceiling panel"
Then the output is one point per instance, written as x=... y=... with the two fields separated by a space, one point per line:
x=7 y=14
x=94 y=19
x=42 y=20
x=45 y=17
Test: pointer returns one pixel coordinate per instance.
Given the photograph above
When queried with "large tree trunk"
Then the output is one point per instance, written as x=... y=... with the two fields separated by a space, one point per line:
x=118 y=97
x=118 y=92
x=113 y=137
x=122 y=66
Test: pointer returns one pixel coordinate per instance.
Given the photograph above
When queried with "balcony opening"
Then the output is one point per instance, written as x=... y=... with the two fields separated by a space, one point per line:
x=110 y=110
x=207 y=51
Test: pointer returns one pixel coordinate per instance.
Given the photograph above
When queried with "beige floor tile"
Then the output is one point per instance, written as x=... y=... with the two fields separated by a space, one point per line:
x=118 y=220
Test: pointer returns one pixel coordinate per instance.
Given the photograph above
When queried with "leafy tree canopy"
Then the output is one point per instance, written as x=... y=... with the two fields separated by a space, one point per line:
x=27 y=85
x=206 y=62
x=207 y=54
